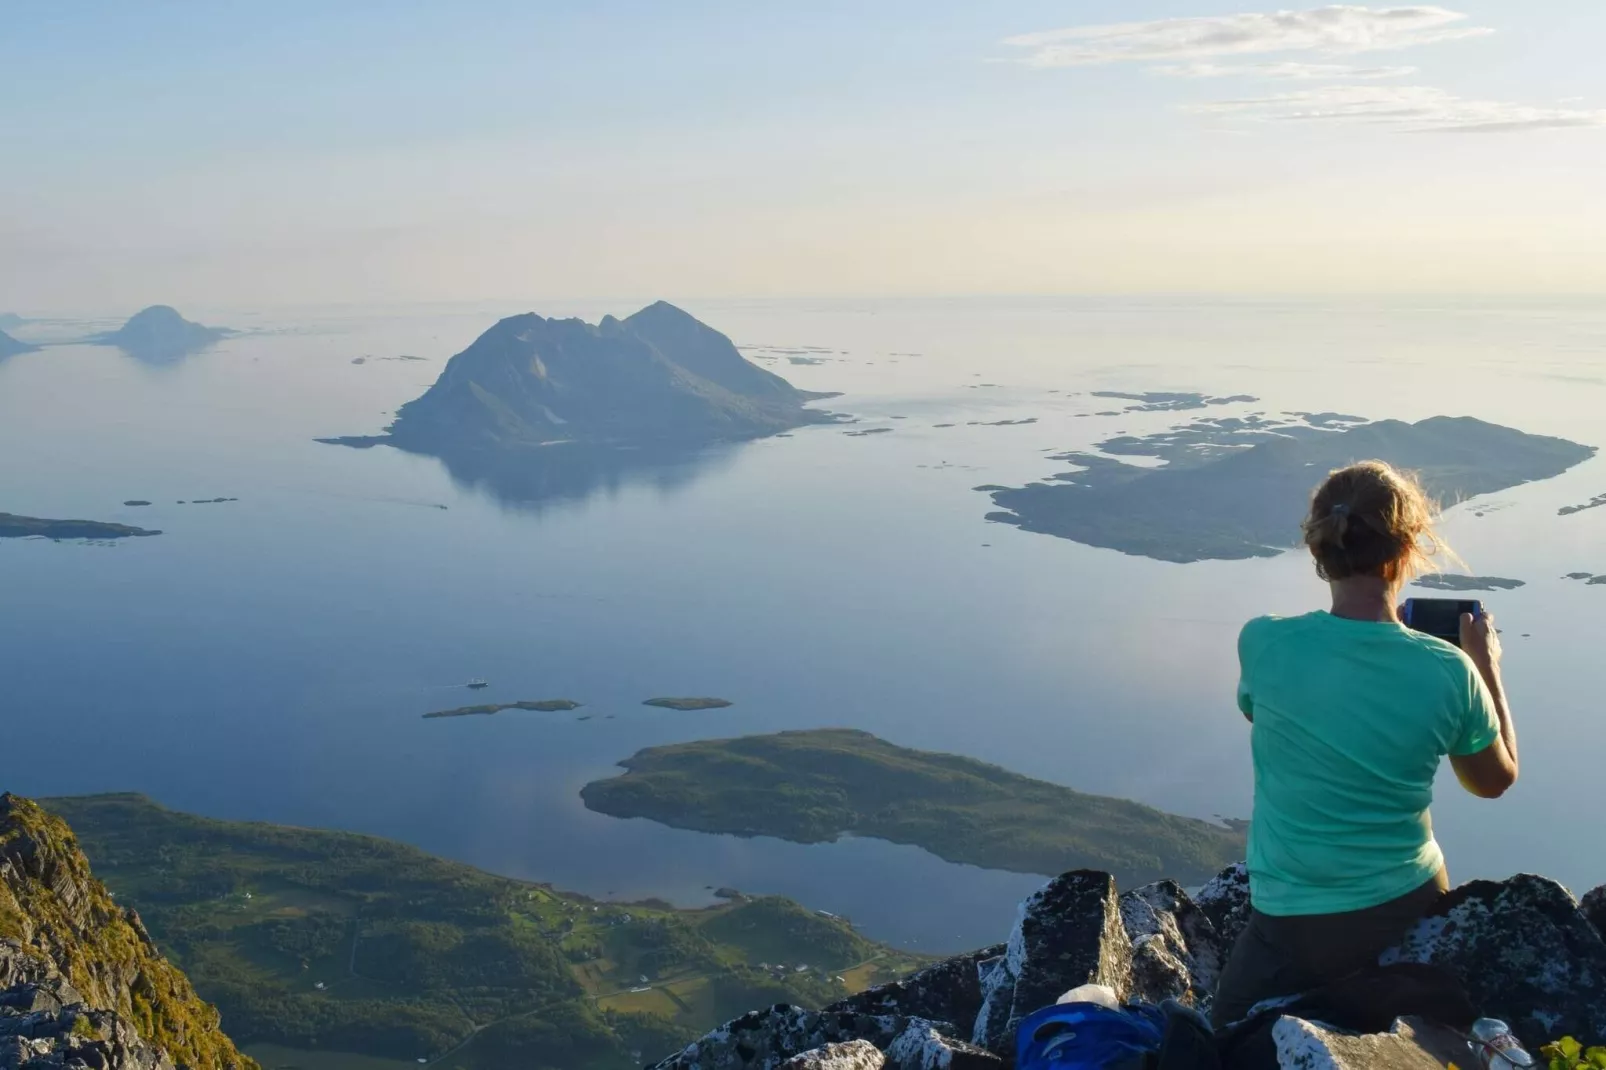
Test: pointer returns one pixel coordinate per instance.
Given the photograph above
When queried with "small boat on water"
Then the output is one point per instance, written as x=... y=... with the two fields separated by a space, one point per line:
x=476 y=683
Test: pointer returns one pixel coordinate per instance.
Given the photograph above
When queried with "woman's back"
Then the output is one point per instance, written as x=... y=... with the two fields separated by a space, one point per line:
x=1351 y=719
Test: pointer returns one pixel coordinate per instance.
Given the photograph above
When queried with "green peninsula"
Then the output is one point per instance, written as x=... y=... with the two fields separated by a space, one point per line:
x=545 y=705
x=334 y=951
x=814 y=786
x=13 y=526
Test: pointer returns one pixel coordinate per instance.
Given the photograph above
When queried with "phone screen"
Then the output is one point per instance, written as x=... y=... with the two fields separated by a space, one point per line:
x=1439 y=616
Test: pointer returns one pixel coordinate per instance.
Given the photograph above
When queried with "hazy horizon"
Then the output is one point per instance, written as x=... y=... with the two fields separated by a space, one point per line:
x=381 y=154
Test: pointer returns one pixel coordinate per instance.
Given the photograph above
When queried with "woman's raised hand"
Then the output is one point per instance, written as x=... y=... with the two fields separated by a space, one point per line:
x=1480 y=640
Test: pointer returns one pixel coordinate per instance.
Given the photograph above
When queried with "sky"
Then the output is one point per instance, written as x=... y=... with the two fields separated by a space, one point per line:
x=254 y=154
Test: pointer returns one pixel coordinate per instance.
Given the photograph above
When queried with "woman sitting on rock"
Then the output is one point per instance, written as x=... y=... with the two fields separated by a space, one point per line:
x=1351 y=712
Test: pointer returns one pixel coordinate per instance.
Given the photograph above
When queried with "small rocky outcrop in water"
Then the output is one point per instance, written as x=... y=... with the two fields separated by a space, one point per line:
x=81 y=983
x=1523 y=948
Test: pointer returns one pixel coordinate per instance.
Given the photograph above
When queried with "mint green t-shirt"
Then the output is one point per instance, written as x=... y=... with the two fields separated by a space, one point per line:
x=1350 y=719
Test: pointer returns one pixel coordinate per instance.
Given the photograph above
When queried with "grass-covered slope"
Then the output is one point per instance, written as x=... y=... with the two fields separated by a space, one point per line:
x=64 y=918
x=319 y=943
x=817 y=785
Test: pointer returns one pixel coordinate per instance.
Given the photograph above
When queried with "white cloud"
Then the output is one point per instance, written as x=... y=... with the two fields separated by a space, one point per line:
x=1336 y=29
x=1420 y=108
x=1289 y=71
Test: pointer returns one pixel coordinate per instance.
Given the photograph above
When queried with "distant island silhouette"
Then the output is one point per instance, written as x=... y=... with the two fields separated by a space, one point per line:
x=10 y=347
x=1441 y=581
x=159 y=335
x=11 y=319
x=539 y=408
x=13 y=526
x=1235 y=487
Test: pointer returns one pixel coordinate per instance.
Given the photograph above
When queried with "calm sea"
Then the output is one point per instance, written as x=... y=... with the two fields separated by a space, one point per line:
x=269 y=658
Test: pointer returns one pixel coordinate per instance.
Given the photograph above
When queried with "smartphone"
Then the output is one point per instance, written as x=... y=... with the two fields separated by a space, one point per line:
x=1440 y=617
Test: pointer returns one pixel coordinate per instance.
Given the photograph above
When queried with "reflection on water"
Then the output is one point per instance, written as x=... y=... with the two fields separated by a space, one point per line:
x=530 y=480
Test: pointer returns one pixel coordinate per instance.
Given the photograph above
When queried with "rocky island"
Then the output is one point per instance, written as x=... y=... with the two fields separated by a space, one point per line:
x=658 y=377
x=159 y=335
x=1237 y=487
x=545 y=705
x=688 y=704
x=1439 y=581
x=1594 y=503
x=13 y=526
x=815 y=786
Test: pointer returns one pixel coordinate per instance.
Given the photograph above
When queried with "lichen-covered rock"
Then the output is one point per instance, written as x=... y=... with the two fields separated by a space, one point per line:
x=1225 y=901
x=1068 y=933
x=66 y=944
x=46 y=1026
x=763 y=1040
x=848 y=1055
x=949 y=991
x=1593 y=907
x=1176 y=951
x=1303 y=1045
x=1524 y=953
x=922 y=1046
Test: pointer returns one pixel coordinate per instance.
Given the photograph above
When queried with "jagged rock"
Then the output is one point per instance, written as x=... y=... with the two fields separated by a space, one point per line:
x=45 y=1027
x=1225 y=901
x=763 y=1040
x=1068 y=933
x=849 y=1055
x=77 y=970
x=1303 y=1045
x=922 y=1047
x=1524 y=952
x=1593 y=907
x=1176 y=951
x=950 y=991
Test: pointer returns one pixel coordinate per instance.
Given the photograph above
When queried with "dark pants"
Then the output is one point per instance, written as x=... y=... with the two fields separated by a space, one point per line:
x=1283 y=956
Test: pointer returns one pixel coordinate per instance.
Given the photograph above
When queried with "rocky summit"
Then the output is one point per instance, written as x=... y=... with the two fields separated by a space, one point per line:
x=81 y=983
x=1524 y=950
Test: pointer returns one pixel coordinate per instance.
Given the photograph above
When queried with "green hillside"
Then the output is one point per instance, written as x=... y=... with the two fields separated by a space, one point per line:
x=334 y=951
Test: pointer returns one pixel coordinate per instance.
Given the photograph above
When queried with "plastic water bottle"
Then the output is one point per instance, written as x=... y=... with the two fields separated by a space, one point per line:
x=1496 y=1048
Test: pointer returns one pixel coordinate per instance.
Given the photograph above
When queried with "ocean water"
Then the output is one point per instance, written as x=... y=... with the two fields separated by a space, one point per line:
x=269 y=658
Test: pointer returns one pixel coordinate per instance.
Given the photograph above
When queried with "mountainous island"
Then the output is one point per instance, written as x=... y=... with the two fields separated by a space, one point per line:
x=10 y=347
x=544 y=406
x=159 y=335
x=314 y=944
x=657 y=377
x=13 y=526
x=1237 y=487
x=815 y=786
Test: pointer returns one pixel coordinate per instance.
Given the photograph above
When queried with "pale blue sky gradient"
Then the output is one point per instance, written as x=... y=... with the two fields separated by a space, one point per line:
x=231 y=153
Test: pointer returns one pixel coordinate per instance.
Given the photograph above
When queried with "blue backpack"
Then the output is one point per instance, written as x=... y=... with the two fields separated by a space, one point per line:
x=1087 y=1036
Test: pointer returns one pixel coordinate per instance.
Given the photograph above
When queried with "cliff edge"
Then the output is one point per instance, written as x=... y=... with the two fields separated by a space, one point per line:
x=81 y=983
x=1524 y=950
